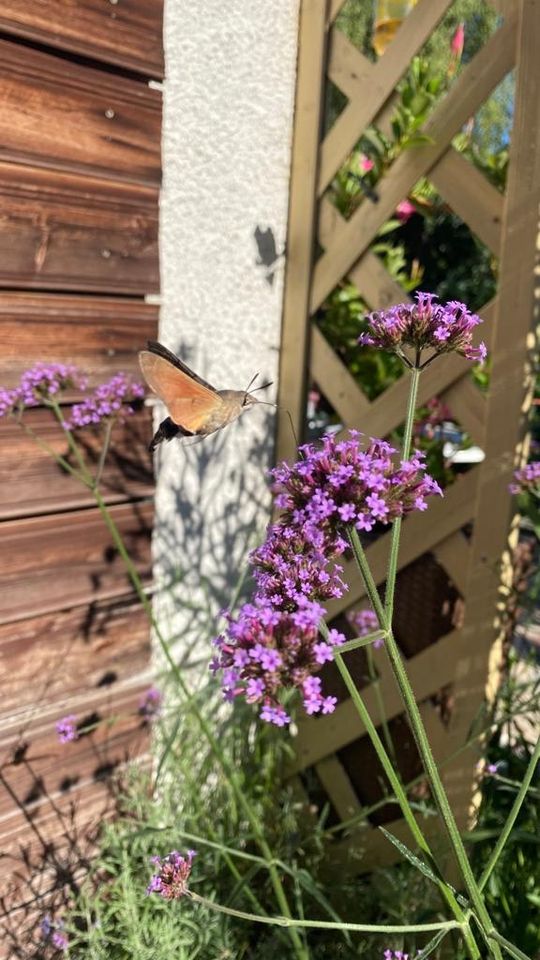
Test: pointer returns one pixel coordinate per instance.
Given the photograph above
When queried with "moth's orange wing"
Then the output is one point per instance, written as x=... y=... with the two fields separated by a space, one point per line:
x=189 y=403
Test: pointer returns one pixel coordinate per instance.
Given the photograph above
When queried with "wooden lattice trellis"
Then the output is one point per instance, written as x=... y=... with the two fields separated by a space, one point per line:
x=462 y=659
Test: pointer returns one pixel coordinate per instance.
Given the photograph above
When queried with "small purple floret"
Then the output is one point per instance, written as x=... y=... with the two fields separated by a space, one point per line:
x=110 y=399
x=66 y=729
x=170 y=880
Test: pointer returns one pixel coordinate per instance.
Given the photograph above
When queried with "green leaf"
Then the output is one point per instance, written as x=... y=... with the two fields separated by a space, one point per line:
x=432 y=945
x=420 y=865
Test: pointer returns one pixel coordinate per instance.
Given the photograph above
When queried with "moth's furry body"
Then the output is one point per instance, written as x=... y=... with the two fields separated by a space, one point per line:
x=196 y=408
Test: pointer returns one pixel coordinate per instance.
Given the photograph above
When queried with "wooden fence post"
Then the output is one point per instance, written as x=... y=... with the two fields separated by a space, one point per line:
x=302 y=221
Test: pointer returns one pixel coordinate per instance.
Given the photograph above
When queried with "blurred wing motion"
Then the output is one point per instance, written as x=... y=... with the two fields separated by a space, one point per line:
x=191 y=401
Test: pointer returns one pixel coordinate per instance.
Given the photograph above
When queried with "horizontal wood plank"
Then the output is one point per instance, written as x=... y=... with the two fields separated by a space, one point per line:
x=67 y=232
x=43 y=756
x=31 y=482
x=70 y=652
x=60 y=114
x=99 y=335
x=126 y=34
x=68 y=559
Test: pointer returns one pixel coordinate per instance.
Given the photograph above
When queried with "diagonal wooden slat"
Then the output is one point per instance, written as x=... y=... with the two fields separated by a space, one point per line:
x=374 y=283
x=474 y=85
x=454 y=555
x=460 y=183
x=337 y=785
x=334 y=8
x=346 y=67
x=349 y=70
x=468 y=406
x=471 y=196
x=385 y=75
x=336 y=382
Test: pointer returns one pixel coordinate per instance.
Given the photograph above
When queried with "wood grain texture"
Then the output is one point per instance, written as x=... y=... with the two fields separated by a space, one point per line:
x=99 y=335
x=301 y=224
x=67 y=232
x=67 y=653
x=59 y=114
x=67 y=559
x=126 y=34
x=32 y=483
x=112 y=722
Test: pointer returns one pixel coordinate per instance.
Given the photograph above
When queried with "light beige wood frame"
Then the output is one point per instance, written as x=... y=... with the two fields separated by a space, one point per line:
x=508 y=225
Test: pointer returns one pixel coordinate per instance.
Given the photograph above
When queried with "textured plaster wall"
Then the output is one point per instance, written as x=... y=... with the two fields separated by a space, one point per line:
x=228 y=109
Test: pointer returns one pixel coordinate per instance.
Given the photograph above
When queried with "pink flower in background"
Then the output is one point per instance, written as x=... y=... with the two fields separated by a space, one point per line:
x=366 y=164
x=458 y=41
x=405 y=210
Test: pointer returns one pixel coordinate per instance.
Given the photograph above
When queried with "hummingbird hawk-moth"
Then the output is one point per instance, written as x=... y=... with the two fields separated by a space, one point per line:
x=196 y=408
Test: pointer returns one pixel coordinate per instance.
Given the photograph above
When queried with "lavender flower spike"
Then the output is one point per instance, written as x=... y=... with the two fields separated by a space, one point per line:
x=424 y=325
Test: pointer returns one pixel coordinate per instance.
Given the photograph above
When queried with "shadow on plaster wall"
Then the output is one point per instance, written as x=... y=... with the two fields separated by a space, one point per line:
x=215 y=510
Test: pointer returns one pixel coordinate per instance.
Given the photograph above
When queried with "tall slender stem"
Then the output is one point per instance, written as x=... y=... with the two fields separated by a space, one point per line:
x=376 y=684
x=512 y=817
x=326 y=924
x=228 y=769
x=396 y=526
x=402 y=800
x=413 y=713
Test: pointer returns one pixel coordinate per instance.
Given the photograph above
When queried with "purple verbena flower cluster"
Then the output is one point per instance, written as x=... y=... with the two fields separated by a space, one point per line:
x=425 y=325
x=53 y=933
x=364 y=622
x=395 y=955
x=39 y=383
x=274 y=642
x=66 y=729
x=170 y=880
x=527 y=479
x=110 y=399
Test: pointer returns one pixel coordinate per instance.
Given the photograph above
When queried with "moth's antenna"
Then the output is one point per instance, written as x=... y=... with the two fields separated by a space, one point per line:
x=252 y=381
x=263 y=387
x=292 y=426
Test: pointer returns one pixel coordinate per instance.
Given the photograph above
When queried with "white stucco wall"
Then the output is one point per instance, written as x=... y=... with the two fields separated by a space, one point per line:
x=228 y=109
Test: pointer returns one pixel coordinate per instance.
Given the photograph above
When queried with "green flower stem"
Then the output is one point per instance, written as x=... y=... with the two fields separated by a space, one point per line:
x=509 y=947
x=367 y=577
x=407 y=693
x=104 y=451
x=396 y=526
x=376 y=684
x=361 y=641
x=72 y=443
x=326 y=924
x=61 y=461
x=424 y=749
x=402 y=800
x=512 y=817
x=367 y=811
x=228 y=769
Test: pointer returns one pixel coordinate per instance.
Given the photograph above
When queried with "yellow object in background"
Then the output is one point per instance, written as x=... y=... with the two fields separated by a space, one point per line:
x=389 y=15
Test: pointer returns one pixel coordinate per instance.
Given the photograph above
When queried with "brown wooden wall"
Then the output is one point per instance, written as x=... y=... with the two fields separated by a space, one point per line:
x=79 y=179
